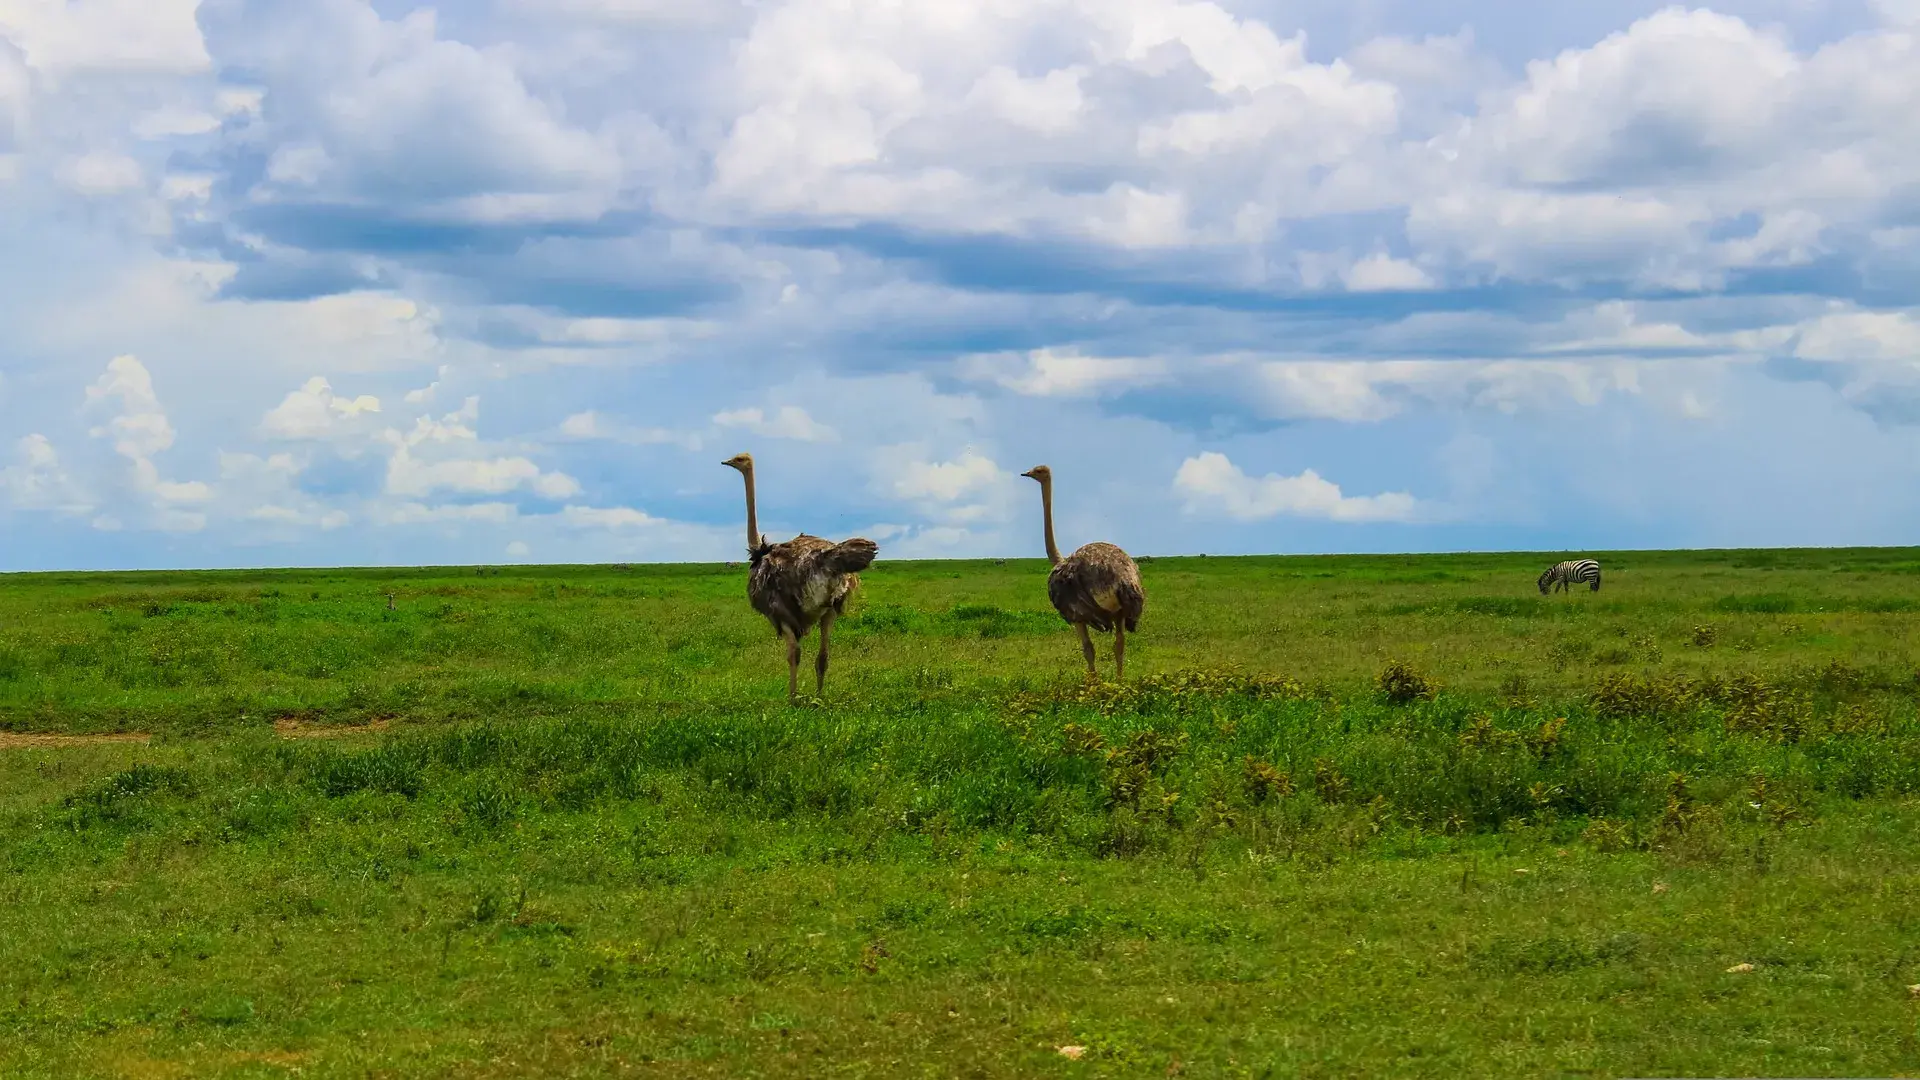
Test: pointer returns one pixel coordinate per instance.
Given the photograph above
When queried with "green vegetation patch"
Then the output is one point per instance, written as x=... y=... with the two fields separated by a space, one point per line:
x=1371 y=815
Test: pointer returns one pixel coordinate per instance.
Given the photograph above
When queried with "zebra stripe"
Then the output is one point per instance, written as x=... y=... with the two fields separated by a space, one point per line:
x=1566 y=573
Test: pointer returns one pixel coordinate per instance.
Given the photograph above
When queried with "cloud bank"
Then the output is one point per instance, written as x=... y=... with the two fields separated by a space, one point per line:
x=334 y=282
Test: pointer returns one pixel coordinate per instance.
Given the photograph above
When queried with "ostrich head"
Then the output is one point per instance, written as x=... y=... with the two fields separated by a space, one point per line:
x=1040 y=473
x=743 y=462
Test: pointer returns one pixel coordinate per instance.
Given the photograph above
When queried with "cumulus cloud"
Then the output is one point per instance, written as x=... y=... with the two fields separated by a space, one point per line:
x=912 y=114
x=1687 y=146
x=786 y=422
x=104 y=174
x=314 y=411
x=1872 y=358
x=1142 y=227
x=612 y=517
x=152 y=37
x=595 y=426
x=36 y=480
x=276 y=514
x=1367 y=391
x=413 y=513
x=410 y=476
x=139 y=428
x=402 y=122
x=1210 y=482
x=445 y=454
x=1384 y=273
x=1063 y=372
x=968 y=475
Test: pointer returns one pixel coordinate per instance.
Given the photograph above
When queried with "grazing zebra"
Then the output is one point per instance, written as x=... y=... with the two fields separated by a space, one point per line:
x=1566 y=573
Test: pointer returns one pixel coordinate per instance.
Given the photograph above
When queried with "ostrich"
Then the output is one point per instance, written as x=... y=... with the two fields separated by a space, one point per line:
x=799 y=583
x=1097 y=586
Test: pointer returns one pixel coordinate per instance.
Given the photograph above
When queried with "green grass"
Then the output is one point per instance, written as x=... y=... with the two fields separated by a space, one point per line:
x=1347 y=816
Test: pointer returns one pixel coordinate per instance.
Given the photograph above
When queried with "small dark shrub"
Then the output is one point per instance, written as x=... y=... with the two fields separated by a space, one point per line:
x=1330 y=783
x=1403 y=685
x=1263 y=782
x=1763 y=708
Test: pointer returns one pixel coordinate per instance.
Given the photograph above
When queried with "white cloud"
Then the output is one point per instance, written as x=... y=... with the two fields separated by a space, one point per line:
x=592 y=425
x=1048 y=104
x=172 y=120
x=412 y=513
x=1370 y=391
x=938 y=115
x=191 y=491
x=639 y=13
x=104 y=174
x=413 y=477
x=179 y=521
x=273 y=514
x=452 y=461
x=425 y=394
x=583 y=425
x=140 y=429
x=1063 y=372
x=1210 y=482
x=938 y=481
x=1860 y=336
x=1689 y=145
x=314 y=411
x=1384 y=273
x=1898 y=12
x=157 y=37
x=395 y=118
x=615 y=517
x=787 y=422
x=1077 y=200
x=518 y=549
x=358 y=331
x=37 y=480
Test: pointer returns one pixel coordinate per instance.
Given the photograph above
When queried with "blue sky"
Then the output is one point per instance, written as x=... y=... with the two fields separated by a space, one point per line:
x=322 y=282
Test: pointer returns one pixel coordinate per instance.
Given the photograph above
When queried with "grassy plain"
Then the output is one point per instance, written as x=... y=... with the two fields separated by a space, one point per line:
x=1348 y=816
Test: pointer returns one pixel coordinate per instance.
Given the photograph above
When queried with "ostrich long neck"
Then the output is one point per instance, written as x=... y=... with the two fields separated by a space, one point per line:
x=1046 y=512
x=753 y=523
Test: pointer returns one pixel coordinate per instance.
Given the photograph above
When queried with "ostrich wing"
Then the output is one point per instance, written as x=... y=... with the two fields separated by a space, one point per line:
x=1095 y=585
x=795 y=583
x=850 y=556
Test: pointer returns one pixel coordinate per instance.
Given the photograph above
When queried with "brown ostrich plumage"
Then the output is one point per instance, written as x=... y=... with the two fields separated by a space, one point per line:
x=801 y=583
x=1097 y=586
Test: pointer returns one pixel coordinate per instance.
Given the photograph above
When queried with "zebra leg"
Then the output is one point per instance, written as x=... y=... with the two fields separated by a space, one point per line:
x=1086 y=648
x=1119 y=651
x=793 y=663
x=820 y=662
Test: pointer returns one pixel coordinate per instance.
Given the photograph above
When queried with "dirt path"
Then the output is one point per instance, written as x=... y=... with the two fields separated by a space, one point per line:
x=288 y=727
x=10 y=740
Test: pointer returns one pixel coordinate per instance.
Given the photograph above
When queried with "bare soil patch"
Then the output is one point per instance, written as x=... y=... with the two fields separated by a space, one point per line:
x=292 y=727
x=13 y=740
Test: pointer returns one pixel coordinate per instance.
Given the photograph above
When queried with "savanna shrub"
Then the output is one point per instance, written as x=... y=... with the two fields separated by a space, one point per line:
x=1402 y=685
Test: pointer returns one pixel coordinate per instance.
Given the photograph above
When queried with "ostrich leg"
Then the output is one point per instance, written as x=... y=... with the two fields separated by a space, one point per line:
x=820 y=662
x=793 y=664
x=1086 y=648
x=1119 y=650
